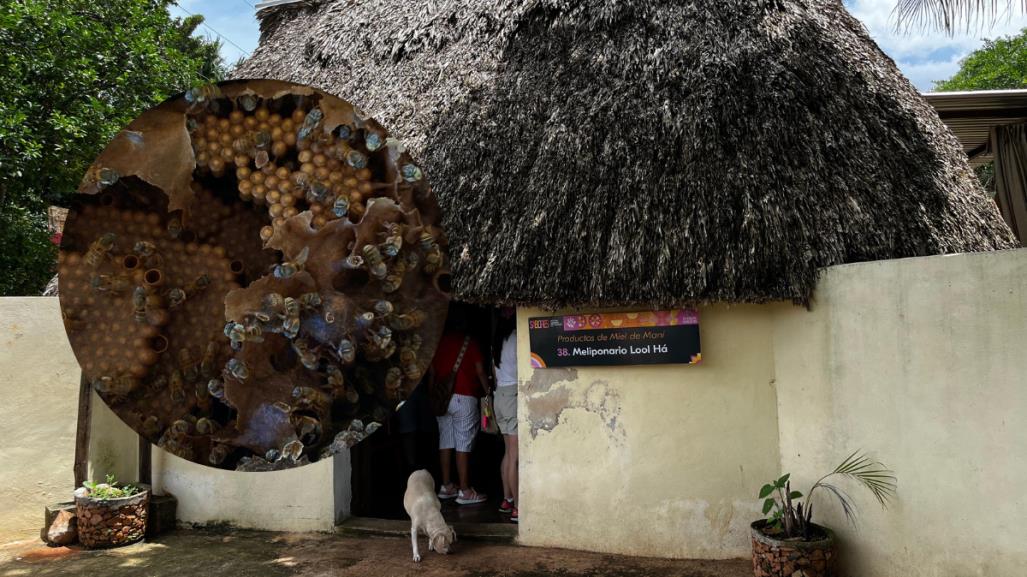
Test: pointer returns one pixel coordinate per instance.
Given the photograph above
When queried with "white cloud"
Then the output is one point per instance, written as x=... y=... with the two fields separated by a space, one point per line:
x=925 y=55
x=234 y=20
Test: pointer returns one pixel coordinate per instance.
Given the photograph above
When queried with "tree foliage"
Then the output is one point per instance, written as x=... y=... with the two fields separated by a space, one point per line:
x=999 y=64
x=73 y=73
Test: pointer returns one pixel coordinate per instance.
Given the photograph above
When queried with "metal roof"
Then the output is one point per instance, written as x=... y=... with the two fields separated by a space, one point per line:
x=971 y=115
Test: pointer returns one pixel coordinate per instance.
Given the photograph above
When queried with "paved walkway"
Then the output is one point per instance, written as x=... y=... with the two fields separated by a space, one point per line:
x=232 y=553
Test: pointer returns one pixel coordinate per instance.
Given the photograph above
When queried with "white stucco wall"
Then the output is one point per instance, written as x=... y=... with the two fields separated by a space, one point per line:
x=657 y=460
x=302 y=499
x=39 y=381
x=923 y=363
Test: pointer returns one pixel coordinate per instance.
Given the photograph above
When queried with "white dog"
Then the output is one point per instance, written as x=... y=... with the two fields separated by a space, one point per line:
x=425 y=512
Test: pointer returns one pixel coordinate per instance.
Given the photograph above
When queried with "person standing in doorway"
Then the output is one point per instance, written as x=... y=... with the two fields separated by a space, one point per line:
x=504 y=352
x=458 y=367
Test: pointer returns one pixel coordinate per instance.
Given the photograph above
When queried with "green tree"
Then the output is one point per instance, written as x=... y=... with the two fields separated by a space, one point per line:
x=999 y=64
x=73 y=73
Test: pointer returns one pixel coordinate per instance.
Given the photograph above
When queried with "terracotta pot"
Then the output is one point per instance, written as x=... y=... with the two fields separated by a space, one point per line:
x=773 y=557
x=112 y=522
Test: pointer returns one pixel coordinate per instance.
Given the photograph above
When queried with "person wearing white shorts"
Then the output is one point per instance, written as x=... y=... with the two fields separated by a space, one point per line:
x=505 y=403
x=459 y=425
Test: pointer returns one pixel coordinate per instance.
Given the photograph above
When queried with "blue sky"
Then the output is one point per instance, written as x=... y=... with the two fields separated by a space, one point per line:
x=924 y=56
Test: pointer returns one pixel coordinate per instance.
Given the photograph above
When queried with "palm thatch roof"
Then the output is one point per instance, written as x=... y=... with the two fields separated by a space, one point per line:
x=650 y=152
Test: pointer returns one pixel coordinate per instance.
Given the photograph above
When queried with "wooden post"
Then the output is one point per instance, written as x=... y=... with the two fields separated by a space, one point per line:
x=144 y=460
x=85 y=416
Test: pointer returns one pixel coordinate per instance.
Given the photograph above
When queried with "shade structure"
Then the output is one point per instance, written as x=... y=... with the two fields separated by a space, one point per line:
x=610 y=153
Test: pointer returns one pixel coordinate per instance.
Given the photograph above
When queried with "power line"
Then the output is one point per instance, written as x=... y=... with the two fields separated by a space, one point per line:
x=250 y=4
x=222 y=36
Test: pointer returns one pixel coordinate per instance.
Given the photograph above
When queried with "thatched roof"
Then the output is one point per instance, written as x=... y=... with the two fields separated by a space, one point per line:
x=611 y=153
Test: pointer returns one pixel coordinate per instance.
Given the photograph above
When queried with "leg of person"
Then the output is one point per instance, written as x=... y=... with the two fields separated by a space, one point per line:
x=465 y=426
x=511 y=471
x=506 y=417
x=447 y=440
x=503 y=472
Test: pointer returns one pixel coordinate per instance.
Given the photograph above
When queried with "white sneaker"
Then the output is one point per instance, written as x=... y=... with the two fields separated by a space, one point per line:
x=471 y=497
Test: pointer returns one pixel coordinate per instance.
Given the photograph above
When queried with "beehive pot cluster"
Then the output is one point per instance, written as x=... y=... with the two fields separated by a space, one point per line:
x=296 y=221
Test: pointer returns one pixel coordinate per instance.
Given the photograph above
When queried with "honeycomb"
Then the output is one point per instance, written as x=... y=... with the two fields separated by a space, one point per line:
x=250 y=268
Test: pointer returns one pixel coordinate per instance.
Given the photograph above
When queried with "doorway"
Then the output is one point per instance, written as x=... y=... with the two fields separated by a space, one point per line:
x=382 y=462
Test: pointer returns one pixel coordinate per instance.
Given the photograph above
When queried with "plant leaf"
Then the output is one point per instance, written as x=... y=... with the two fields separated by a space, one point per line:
x=794 y=495
x=766 y=490
x=767 y=506
x=784 y=479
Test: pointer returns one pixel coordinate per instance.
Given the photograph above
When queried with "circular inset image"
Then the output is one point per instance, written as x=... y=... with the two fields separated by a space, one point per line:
x=254 y=275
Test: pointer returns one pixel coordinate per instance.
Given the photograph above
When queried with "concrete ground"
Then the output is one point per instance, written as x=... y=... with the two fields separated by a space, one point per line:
x=236 y=553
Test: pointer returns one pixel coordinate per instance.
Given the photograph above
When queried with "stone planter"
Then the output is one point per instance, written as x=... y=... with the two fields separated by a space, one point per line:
x=112 y=522
x=776 y=558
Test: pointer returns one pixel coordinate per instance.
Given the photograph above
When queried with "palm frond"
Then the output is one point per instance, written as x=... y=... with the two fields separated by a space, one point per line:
x=880 y=480
x=948 y=15
x=871 y=474
x=848 y=507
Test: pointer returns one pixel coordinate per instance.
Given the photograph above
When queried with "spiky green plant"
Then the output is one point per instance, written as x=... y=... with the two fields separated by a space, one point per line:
x=110 y=489
x=792 y=512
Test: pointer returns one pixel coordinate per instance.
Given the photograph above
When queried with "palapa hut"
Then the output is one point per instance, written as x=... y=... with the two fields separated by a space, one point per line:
x=646 y=152
x=641 y=155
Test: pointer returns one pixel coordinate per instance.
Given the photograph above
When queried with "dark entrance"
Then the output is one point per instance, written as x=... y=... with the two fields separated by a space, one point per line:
x=383 y=461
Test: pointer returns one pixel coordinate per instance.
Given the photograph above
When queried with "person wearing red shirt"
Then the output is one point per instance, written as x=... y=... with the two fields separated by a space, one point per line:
x=459 y=426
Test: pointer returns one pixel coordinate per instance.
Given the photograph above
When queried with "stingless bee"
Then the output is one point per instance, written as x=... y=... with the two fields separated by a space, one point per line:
x=218 y=453
x=205 y=426
x=411 y=172
x=144 y=248
x=216 y=388
x=188 y=365
x=341 y=206
x=373 y=260
x=175 y=226
x=289 y=268
x=307 y=357
x=336 y=380
x=408 y=361
x=408 y=320
x=113 y=284
x=207 y=363
x=176 y=297
x=393 y=379
x=432 y=252
x=100 y=250
x=307 y=428
x=394 y=279
x=139 y=304
x=317 y=192
x=383 y=308
x=310 y=398
x=197 y=285
x=291 y=322
x=292 y=450
x=310 y=300
x=237 y=369
x=346 y=351
x=177 y=386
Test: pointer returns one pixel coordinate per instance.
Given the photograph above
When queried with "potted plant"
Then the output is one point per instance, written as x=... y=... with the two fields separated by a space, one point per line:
x=110 y=515
x=788 y=543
